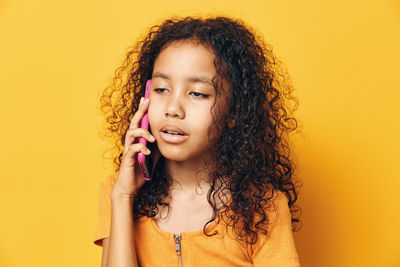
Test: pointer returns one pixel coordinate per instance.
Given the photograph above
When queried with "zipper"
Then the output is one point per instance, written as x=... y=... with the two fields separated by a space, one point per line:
x=178 y=239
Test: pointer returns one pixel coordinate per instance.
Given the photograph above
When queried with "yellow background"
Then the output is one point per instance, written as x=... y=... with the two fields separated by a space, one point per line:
x=56 y=57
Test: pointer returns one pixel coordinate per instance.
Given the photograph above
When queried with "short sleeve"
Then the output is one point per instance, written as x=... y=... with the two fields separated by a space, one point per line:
x=104 y=210
x=277 y=248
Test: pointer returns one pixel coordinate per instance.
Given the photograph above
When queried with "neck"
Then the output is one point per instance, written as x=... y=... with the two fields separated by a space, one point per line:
x=187 y=175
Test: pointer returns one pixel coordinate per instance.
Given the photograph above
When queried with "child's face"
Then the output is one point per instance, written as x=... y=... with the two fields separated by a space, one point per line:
x=181 y=98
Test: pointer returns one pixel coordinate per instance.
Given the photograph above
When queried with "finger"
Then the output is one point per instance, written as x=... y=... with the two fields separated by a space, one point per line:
x=134 y=133
x=135 y=122
x=135 y=148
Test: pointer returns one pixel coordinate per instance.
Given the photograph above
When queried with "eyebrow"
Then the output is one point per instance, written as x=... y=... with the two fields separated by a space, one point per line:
x=194 y=79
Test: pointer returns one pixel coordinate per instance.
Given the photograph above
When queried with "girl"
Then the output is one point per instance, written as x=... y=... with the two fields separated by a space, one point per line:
x=222 y=192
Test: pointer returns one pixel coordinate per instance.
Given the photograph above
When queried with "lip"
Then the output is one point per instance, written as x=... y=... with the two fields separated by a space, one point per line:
x=172 y=138
x=172 y=128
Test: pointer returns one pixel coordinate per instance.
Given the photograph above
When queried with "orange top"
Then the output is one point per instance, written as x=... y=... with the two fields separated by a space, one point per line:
x=155 y=247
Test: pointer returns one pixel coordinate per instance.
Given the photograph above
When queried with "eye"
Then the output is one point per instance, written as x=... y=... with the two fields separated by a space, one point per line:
x=199 y=95
x=160 y=90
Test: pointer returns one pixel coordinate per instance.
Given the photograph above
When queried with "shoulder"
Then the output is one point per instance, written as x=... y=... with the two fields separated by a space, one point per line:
x=276 y=207
x=104 y=209
x=277 y=247
x=279 y=206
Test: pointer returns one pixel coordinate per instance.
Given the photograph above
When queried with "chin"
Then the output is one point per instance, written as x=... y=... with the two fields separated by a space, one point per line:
x=176 y=154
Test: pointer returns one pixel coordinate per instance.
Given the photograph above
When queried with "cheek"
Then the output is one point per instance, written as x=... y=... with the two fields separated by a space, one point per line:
x=200 y=122
x=152 y=113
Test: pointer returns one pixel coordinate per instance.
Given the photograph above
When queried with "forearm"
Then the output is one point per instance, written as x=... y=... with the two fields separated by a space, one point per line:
x=121 y=250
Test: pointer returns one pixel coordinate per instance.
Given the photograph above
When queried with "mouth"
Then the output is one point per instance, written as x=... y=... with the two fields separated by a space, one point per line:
x=172 y=129
x=173 y=134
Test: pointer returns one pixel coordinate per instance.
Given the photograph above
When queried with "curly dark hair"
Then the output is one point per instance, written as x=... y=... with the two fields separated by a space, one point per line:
x=254 y=154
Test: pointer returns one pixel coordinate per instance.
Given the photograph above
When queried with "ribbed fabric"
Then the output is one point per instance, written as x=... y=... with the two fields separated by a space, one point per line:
x=154 y=247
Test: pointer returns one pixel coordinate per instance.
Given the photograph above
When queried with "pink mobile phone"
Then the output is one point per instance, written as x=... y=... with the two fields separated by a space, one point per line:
x=146 y=162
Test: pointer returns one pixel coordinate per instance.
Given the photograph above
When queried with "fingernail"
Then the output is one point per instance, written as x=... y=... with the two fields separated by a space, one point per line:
x=141 y=100
x=152 y=138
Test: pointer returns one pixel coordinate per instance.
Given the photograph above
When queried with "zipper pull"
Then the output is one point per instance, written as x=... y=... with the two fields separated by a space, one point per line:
x=178 y=243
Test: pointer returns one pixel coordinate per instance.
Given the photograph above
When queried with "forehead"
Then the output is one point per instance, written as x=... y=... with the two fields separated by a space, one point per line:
x=185 y=59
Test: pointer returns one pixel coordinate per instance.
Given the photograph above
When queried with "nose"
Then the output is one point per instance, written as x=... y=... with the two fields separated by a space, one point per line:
x=174 y=108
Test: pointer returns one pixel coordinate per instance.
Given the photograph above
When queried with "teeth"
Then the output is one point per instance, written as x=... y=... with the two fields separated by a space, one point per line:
x=172 y=132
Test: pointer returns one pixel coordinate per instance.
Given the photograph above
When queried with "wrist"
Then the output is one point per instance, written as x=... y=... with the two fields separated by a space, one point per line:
x=119 y=196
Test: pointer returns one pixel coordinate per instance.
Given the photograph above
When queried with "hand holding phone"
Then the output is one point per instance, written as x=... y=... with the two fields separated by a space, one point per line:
x=129 y=179
x=146 y=162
